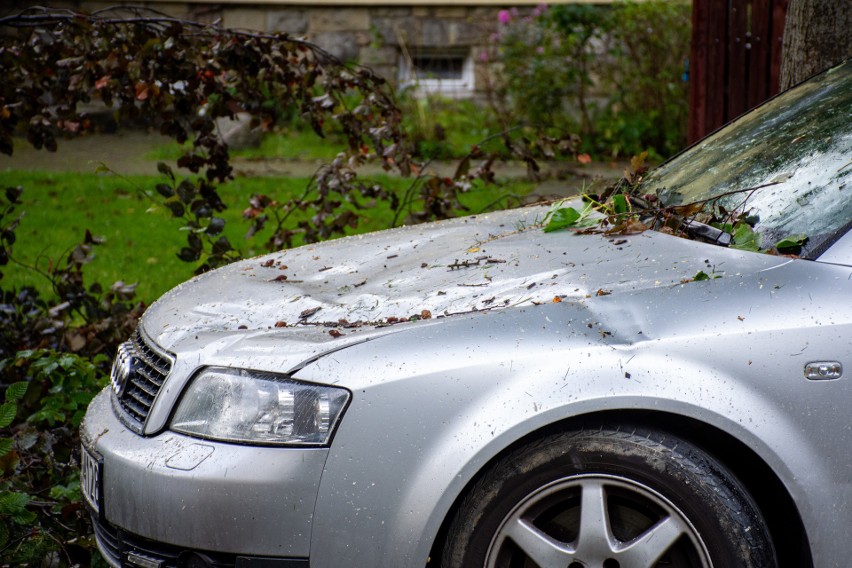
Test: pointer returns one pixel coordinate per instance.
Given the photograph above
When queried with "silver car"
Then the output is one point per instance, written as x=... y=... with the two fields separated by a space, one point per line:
x=480 y=392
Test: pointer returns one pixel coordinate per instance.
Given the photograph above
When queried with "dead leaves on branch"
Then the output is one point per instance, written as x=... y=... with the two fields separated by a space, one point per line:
x=623 y=209
x=181 y=76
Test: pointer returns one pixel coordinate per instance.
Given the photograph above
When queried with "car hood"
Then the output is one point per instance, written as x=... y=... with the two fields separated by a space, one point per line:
x=346 y=290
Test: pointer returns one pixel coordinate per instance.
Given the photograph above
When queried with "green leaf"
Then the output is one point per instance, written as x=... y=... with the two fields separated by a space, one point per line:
x=16 y=391
x=70 y=492
x=745 y=238
x=12 y=503
x=792 y=244
x=8 y=410
x=6 y=445
x=562 y=218
x=24 y=517
x=66 y=361
x=701 y=276
x=619 y=204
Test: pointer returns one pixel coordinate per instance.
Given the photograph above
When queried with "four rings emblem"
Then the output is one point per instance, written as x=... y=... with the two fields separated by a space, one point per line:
x=122 y=368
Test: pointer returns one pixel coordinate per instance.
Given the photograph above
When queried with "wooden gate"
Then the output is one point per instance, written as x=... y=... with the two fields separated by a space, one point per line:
x=736 y=59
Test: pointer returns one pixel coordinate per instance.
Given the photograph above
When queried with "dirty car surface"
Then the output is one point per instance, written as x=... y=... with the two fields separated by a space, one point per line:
x=478 y=392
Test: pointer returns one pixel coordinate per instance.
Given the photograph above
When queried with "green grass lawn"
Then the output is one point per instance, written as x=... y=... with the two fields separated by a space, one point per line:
x=142 y=239
x=439 y=128
x=294 y=145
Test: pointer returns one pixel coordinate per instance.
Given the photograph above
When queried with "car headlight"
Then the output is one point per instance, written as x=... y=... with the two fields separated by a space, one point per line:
x=252 y=407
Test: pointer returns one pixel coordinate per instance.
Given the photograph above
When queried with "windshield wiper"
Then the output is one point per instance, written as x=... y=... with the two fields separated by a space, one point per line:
x=695 y=229
x=707 y=233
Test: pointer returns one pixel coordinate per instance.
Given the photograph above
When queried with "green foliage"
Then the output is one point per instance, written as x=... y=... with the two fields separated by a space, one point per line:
x=566 y=217
x=745 y=238
x=442 y=129
x=792 y=244
x=71 y=380
x=184 y=77
x=623 y=209
x=562 y=218
x=139 y=234
x=41 y=511
x=101 y=317
x=613 y=73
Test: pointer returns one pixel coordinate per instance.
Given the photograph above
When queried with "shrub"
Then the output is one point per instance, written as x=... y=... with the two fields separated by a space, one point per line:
x=443 y=129
x=612 y=73
x=42 y=517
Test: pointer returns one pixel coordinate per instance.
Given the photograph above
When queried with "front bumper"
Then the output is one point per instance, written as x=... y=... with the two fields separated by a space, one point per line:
x=182 y=494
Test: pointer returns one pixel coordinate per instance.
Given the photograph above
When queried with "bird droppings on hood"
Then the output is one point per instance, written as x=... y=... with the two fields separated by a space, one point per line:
x=346 y=279
x=309 y=312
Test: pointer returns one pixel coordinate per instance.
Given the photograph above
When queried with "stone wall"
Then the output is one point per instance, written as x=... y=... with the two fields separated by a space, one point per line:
x=375 y=36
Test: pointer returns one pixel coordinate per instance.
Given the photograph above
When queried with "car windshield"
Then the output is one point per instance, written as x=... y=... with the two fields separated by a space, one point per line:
x=796 y=149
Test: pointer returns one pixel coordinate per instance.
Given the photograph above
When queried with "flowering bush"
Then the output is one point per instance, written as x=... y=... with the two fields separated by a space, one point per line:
x=615 y=74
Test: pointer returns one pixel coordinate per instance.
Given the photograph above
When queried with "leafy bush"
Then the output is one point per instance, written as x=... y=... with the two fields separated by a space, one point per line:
x=42 y=517
x=45 y=393
x=612 y=73
x=82 y=319
x=444 y=129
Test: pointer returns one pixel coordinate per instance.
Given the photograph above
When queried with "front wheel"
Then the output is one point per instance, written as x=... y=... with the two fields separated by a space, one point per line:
x=608 y=498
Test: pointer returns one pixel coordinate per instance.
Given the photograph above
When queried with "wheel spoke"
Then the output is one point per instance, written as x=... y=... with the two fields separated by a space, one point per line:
x=545 y=551
x=647 y=548
x=582 y=506
x=595 y=539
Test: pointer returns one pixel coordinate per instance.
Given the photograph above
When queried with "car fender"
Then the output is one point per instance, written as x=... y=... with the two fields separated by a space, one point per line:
x=398 y=485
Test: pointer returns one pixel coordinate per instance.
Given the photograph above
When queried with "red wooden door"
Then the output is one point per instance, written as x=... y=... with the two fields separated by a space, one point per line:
x=736 y=59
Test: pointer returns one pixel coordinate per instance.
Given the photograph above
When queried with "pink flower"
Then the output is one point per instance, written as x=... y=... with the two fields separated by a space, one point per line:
x=539 y=10
x=483 y=56
x=539 y=50
x=504 y=16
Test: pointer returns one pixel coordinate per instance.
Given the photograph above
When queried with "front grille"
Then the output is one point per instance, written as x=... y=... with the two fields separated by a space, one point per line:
x=126 y=549
x=137 y=375
x=118 y=545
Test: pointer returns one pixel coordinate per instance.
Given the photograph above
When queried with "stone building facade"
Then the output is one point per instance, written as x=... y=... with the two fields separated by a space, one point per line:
x=426 y=45
x=432 y=48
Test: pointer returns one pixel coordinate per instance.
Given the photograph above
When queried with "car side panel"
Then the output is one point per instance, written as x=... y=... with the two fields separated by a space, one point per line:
x=429 y=410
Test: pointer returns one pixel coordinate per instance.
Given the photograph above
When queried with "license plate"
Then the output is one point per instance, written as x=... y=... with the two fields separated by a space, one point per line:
x=91 y=472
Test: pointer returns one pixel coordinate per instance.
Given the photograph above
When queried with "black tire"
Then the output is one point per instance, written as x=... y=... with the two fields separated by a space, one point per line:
x=660 y=501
